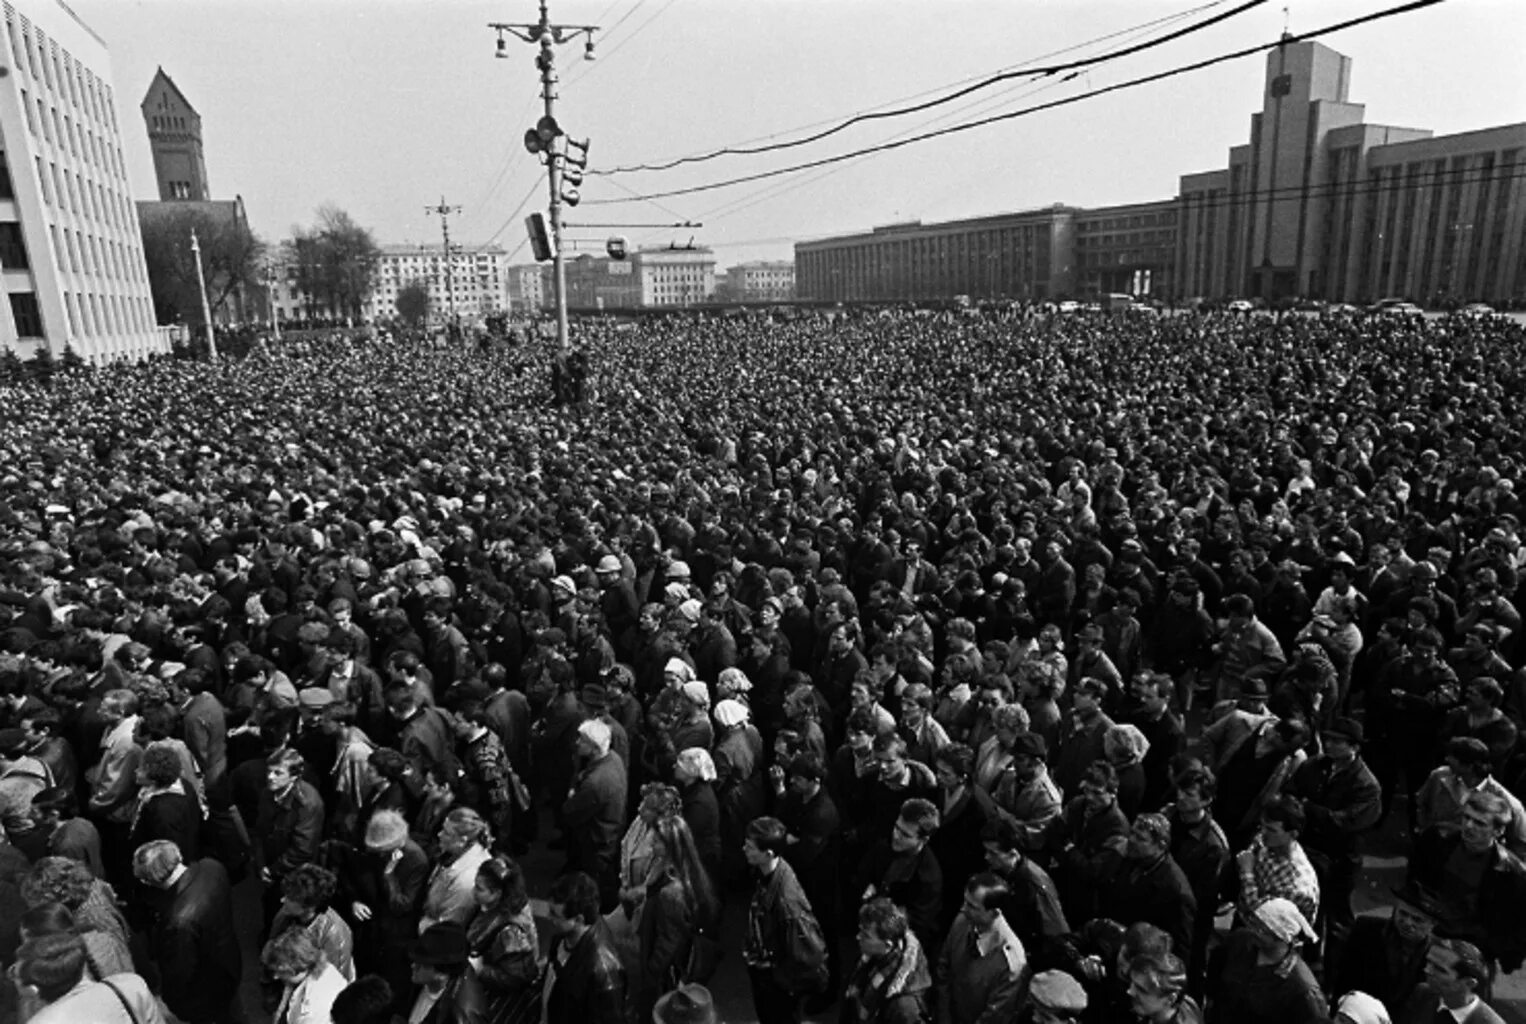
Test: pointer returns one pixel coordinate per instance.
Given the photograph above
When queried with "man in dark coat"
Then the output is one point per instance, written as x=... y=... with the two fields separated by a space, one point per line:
x=1342 y=800
x=1385 y=956
x=590 y=984
x=193 y=943
x=1151 y=887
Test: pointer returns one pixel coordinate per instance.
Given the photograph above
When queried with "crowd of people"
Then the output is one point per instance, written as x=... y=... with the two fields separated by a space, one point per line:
x=948 y=668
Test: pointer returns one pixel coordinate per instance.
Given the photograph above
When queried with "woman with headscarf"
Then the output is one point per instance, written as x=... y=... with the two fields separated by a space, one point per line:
x=695 y=775
x=1125 y=746
x=739 y=785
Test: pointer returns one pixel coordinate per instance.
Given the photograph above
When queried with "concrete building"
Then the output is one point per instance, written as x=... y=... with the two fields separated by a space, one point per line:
x=70 y=245
x=674 y=277
x=1025 y=255
x=1321 y=204
x=760 y=281
x=529 y=286
x=174 y=136
x=1127 y=249
x=598 y=282
x=477 y=282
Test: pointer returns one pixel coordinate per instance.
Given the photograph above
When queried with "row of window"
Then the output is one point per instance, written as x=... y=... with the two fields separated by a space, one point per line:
x=58 y=70
x=61 y=130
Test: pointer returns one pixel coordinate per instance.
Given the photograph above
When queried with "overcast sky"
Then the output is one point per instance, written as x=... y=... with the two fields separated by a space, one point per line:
x=385 y=106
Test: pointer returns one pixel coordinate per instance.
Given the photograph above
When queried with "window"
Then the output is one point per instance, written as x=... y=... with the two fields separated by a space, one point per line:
x=28 y=316
x=7 y=190
x=31 y=119
x=47 y=185
x=12 y=247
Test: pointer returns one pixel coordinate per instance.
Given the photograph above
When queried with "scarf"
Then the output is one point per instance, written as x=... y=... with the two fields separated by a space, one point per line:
x=878 y=981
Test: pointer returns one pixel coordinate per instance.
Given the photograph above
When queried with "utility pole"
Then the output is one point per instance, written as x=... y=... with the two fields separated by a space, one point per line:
x=201 y=287
x=450 y=278
x=542 y=139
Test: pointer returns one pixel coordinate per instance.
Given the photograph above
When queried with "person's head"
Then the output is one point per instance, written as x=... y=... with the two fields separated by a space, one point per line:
x=1099 y=785
x=593 y=738
x=54 y=804
x=694 y=764
x=58 y=880
x=890 y=752
x=1484 y=819
x=500 y=884
x=462 y=829
x=291 y=956
x=1240 y=608
x=156 y=862
x=307 y=890
x=1157 y=982
x=1056 y=998
x=806 y=773
x=954 y=766
x=914 y=826
x=766 y=839
x=51 y=964
x=1154 y=691
x=1149 y=837
x=882 y=929
x=282 y=770
x=1088 y=697
x=366 y=1000
x=1415 y=913
x=159 y=767
x=983 y=896
x=573 y=904
x=1195 y=790
x=1282 y=821
x=1455 y=969
x=1278 y=927
x=1124 y=745
x=386 y=832
x=1342 y=738
x=118 y=705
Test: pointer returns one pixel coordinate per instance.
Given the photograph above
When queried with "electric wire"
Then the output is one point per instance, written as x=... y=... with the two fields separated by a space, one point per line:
x=1407 y=8
x=916 y=108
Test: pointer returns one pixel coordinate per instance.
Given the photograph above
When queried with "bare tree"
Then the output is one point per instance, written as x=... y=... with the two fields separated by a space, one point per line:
x=231 y=257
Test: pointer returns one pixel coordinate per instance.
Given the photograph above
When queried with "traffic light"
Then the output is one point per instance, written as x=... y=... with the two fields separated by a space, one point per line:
x=616 y=247
x=540 y=242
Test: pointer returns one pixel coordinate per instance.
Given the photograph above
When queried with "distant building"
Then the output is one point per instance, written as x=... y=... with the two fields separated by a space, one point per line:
x=1127 y=249
x=674 y=277
x=69 y=238
x=1025 y=255
x=529 y=286
x=221 y=211
x=174 y=136
x=598 y=282
x=1317 y=204
x=475 y=283
x=1320 y=204
x=761 y=281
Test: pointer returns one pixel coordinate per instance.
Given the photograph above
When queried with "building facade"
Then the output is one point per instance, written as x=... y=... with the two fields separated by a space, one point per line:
x=1127 y=249
x=1025 y=256
x=174 y=136
x=70 y=246
x=674 y=277
x=1322 y=205
x=475 y=282
x=529 y=287
x=598 y=282
x=760 y=281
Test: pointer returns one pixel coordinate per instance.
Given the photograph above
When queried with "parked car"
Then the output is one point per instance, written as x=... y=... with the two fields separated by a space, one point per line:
x=1240 y=306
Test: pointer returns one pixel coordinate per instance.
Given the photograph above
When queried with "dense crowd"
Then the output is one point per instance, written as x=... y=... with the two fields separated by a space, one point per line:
x=931 y=667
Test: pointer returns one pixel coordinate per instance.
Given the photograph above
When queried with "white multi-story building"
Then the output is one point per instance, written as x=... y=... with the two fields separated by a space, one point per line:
x=69 y=241
x=529 y=286
x=675 y=277
x=762 y=281
x=476 y=282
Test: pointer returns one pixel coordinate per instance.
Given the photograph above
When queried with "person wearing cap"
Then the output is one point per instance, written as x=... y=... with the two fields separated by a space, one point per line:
x=617 y=603
x=1258 y=976
x=785 y=953
x=1054 y=997
x=1342 y=802
x=449 y=992
x=1385 y=956
x=686 y=1004
x=1024 y=794
x=712 y=645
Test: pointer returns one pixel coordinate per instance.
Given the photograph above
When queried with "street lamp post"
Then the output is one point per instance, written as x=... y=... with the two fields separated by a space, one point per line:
x=201 y=288
x=542 y=139
x=270 y=299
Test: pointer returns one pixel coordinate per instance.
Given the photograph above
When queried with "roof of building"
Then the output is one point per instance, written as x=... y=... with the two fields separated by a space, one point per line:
x=217 y=209
x=163 y=76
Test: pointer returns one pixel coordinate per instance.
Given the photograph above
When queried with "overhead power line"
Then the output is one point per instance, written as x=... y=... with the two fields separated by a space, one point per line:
x=916 y=108
x=1391 y=12
x=1130 y=32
